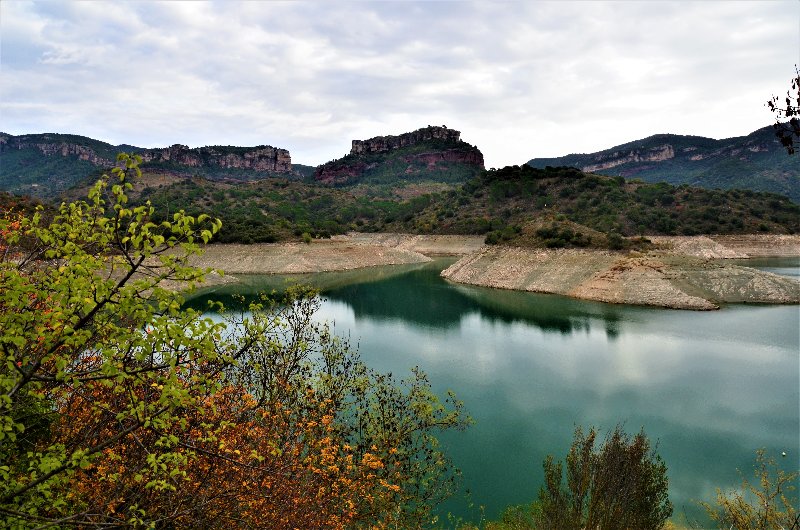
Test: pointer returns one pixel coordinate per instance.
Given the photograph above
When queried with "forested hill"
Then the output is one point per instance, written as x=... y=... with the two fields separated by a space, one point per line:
x=757 y=162
x=503 y=204
x=573 y=208
x=46 y=165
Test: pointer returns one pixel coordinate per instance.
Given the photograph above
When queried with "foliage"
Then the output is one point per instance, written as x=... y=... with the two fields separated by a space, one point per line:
x=766 y=503
x=118 y=407
x=788 y=132
x=620 y=485
x=501 y=204
x=274 y=209
x=28 y=171
x=524 y=196
x=73 y=313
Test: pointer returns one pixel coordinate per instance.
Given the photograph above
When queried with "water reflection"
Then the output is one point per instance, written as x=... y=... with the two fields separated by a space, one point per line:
x=712 y=387
x=416 y=294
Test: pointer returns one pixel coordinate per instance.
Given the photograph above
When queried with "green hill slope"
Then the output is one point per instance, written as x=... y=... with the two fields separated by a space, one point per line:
x=757 y=162
x=46 y=165
x=569 y=207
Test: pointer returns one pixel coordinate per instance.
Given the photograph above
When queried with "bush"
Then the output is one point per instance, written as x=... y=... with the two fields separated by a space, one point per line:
x=620 y=485
x=767 y=503
x=616 y=241
x=121 y=408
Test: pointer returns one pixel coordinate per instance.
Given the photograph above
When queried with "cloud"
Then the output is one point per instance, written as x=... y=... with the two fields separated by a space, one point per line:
x=519 y=79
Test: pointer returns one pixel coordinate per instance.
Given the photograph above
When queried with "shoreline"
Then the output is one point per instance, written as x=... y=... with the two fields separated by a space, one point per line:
x=686 y=272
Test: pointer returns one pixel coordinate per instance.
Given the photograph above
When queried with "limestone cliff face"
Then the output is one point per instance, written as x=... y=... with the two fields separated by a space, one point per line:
x=418 y=154
x=380 y=144
x=451 y=155
x=261 y=158
x=54 y=148
x=617 y=158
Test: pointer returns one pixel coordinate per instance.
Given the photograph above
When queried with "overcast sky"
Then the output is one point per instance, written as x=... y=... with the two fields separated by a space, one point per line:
x=518 y=79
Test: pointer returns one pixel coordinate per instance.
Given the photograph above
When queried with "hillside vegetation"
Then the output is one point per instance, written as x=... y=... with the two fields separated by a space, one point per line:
x=535 y=207
x=757 y=161
x=503 y=202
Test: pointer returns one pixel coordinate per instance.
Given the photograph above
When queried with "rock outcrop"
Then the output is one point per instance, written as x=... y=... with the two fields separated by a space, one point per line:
x=54 y=148
x=669 y=279
x=418 y=154
x=380 y=144
x=605 y=161
x=263 y=158
x=755 y=162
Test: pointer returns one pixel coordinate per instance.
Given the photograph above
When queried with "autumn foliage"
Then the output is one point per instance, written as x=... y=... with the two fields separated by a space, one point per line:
x=118 y=407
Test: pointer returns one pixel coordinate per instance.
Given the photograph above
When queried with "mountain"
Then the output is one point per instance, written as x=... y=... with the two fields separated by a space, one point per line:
x=757 y=162
x=45 y=165
x=428 y=154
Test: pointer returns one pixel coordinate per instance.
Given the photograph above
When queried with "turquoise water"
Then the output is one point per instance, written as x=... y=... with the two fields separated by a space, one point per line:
x=710 y=387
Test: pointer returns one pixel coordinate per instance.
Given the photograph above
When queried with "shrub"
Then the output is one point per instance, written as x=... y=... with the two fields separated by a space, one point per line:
x=620 y=485
x=767 y=503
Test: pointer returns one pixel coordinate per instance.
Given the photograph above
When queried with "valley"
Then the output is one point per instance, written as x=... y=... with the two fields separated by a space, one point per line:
x=399 y=199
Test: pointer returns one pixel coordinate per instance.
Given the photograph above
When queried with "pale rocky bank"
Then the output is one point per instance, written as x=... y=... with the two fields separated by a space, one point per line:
x=340 y=253
x=684 y=273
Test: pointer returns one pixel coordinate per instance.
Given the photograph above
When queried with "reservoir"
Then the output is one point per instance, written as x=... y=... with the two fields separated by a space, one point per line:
x=709 y=387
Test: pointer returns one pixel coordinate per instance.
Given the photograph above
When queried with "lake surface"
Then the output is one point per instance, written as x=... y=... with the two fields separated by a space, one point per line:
x=710 y=387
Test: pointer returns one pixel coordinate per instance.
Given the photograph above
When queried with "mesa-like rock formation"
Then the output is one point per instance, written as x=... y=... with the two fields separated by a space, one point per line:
x=387 y=143
x=262 y=158
x=425 y=153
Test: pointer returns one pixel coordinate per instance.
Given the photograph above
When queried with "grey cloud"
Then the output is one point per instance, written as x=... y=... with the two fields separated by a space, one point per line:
x=310 y=76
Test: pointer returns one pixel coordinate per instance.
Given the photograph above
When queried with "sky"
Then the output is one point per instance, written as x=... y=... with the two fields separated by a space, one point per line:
x=519 y=79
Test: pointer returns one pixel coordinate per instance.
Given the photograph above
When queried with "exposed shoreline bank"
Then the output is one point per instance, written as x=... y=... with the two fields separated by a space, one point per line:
x=685 y=273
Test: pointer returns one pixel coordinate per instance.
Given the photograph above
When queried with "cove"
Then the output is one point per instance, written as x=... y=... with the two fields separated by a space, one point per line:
x=710 y=387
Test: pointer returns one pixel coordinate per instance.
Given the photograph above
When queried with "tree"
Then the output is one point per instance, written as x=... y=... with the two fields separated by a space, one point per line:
x=788 y=132
x=118 y=407
x=620 y=485
x=766 y=503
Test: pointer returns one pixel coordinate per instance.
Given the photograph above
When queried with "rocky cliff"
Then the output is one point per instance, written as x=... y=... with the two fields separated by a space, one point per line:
x=260 y=158
x=54 y=145
x=757 y=161
x=47 y=164
x=431 y=153
x=263 y=158
x=380 y=144
x=606 y=161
